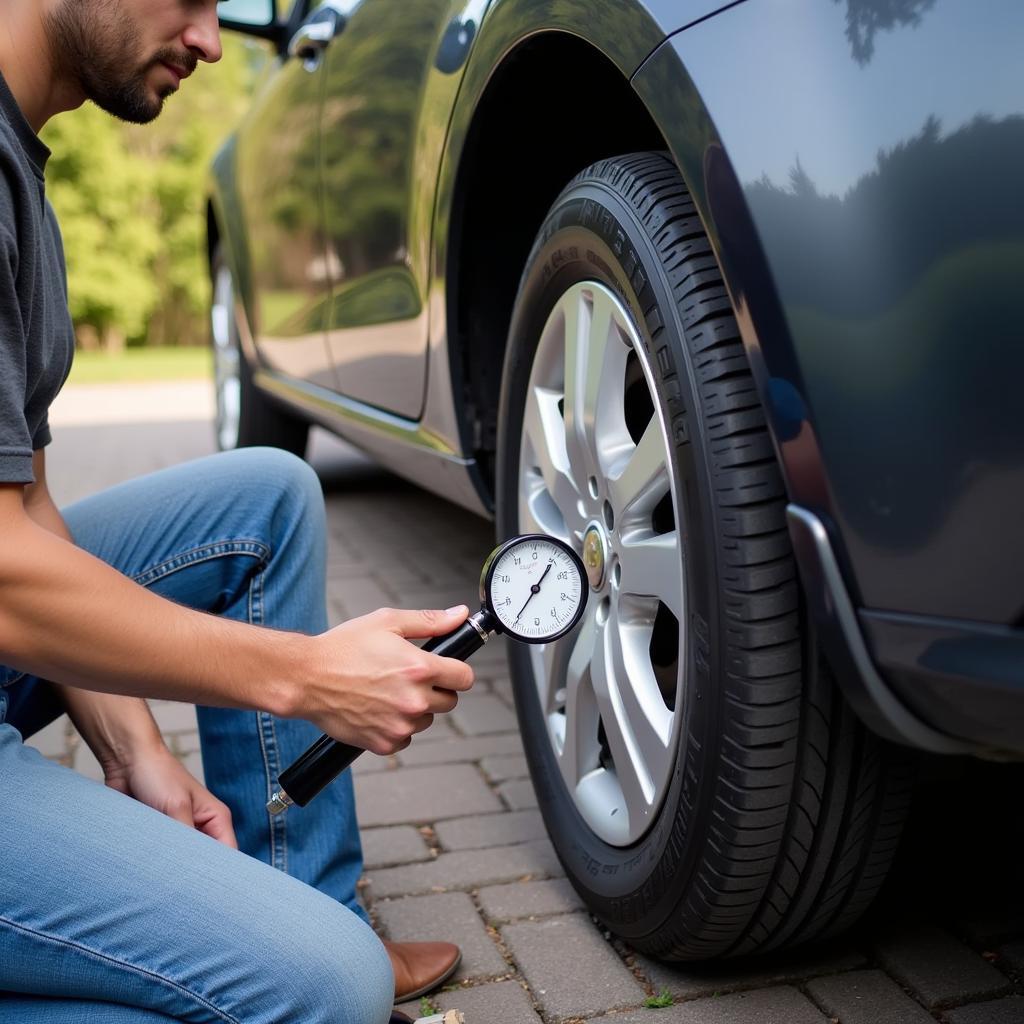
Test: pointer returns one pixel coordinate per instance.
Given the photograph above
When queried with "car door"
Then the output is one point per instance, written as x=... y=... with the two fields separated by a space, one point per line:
x=278 y=177
x=391 y=79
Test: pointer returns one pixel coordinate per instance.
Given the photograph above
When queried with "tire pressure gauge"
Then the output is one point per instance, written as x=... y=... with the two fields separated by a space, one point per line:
x=532 y=588
x=536 y=588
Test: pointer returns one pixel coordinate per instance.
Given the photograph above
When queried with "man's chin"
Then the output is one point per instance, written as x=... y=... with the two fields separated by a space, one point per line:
x=136 y=108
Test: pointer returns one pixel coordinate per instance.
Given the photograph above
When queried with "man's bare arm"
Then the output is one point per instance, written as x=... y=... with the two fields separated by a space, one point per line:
x=69 y=617
x=118 y=729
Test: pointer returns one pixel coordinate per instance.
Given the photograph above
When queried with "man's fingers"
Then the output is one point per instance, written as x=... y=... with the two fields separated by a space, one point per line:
x=180 y=810
x=449 y=673
x=214 y=819
x=444 y=701
x=422 y=723
x=424 y=622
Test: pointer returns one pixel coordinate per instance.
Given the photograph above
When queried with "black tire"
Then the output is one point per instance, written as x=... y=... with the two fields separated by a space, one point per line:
x=262 y=421
x=782 y=812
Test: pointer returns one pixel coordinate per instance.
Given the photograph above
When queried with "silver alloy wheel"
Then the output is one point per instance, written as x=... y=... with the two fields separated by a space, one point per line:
x=592 y=475
x=227 y=381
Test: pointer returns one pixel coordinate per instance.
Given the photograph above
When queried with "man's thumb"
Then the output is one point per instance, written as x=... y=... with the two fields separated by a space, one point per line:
x=431 y=622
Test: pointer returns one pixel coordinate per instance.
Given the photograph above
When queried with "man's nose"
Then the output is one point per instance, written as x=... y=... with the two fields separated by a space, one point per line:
x=202 y=36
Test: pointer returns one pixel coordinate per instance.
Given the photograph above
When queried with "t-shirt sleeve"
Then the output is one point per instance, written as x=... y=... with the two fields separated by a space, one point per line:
x=15 y=439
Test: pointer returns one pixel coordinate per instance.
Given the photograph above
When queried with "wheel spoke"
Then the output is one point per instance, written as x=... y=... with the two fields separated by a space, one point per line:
x=635 y=782
x=545 y=431
x=595 y=364
x=652 y=566
x=572 y=664
x=649 y=720
x=643 y=479
x=575 y=348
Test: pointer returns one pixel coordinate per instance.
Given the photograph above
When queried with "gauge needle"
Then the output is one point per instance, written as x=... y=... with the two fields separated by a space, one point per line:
x=535 y=589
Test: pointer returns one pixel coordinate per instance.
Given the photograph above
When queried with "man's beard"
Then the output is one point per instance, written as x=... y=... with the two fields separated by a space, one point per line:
x=96 y=43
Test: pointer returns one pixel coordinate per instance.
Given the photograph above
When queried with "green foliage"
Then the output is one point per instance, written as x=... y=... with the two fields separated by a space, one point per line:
x=427 y=1008
x=659 y=1002
x=129 y=200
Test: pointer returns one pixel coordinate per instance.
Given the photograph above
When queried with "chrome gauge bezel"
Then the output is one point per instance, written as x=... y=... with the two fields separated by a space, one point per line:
x=487 y=574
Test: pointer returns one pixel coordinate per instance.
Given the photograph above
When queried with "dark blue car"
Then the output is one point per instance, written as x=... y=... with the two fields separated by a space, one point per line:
x=727 y=296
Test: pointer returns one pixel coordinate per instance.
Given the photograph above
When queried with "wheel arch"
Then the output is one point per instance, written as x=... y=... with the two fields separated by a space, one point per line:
x=524 y=143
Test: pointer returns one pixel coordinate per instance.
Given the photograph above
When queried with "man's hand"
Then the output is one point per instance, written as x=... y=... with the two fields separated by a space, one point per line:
x=370 y=687
x=160 y=781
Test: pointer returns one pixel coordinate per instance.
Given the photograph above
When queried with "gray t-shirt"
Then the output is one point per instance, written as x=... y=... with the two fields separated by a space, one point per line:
x=37 y=340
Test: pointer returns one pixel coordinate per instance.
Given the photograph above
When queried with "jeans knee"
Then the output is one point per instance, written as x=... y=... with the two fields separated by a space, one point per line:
x=355 y=983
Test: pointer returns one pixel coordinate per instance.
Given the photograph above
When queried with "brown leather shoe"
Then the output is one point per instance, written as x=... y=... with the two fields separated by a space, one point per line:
x=421 y=966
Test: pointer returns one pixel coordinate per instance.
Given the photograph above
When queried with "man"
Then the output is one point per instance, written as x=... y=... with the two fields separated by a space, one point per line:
x=109 y=910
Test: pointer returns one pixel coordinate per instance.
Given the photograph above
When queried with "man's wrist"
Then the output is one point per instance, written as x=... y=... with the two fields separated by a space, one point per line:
x=119 y=730
x=292 y=663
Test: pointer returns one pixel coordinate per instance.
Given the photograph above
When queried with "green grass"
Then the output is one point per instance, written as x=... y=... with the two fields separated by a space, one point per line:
x=659 y=1002
x=427 y=1008
x=135 y=364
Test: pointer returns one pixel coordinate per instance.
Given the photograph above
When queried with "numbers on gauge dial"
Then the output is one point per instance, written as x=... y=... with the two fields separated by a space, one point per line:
x=535 y=589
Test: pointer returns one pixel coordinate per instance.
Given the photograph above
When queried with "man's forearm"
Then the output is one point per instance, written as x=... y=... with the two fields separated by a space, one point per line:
x=116 y=727
x=68 y=617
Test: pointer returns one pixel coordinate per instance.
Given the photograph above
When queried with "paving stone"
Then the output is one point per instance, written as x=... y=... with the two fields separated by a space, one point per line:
x=937 y=968
x=763 y=1006
x=421 y=795
x=360 y=595
x=193 y=763
x=866 y=997
x=456 y=749
x=432 y=594
x=468 y=869
x=399 y=844
x=1013 y=956
x=440 y=729
x=367 y=764
x=569 y=967
x=503 y=1002
x=52 y=741
x=526 y=899
x=518 y=794
x=174 y=716
x=502 y=767
x=501 y=687
x=420 y=918
x=480 y=713
x=183 y=743
x=999 y=1011
x=493 y=657
x=690 y=981
x=491 y=830
x=994 y=927
x=85 y=762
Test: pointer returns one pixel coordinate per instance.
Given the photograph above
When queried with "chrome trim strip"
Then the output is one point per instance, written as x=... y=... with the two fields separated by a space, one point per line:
x=829 y=591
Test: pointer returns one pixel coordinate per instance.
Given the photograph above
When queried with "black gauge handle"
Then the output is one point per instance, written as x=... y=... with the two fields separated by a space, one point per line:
x=324 y=760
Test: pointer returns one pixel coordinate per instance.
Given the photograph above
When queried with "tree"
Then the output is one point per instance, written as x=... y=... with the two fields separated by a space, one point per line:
x=130 y=204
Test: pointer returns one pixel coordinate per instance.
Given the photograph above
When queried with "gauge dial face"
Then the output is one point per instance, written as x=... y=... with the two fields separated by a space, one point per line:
x=536 y=588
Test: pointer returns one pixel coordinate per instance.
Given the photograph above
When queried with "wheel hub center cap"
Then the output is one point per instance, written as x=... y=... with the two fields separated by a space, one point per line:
x=595 y=554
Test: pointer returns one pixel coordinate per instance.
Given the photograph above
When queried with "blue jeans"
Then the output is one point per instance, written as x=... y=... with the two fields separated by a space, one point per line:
x=104 y=901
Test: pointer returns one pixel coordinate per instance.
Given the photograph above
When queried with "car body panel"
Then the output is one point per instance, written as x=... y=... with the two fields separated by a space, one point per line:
x=392 y=76
x=876 y=194
x=277 y=184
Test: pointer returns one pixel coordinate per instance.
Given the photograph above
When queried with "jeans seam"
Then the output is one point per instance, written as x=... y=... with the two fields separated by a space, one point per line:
x=269 y=745
x=177 y=986
x=202 y=553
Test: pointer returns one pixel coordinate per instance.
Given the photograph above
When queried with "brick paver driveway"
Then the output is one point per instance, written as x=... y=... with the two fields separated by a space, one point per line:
x=455 y=847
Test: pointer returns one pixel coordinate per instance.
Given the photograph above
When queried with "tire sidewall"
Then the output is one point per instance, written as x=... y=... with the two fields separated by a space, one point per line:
x=592 y=234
